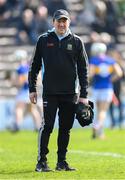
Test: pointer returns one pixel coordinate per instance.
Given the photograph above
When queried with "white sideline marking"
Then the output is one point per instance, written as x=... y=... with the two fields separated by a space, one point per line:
x=92 y=153
x=115 y=155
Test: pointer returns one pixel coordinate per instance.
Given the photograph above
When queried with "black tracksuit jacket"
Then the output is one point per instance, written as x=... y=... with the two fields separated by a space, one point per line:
x=65 y=61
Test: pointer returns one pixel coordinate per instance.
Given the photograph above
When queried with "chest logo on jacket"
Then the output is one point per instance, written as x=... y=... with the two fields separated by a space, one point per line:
x=50 y=44
x=69 y=47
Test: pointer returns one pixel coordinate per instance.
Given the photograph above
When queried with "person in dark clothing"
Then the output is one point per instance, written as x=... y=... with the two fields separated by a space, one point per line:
x=53 y=5
x=119 y=107
x=65 y=61
x=117 y=104
x=106 y=18
x=27 y=28
x=41 y=18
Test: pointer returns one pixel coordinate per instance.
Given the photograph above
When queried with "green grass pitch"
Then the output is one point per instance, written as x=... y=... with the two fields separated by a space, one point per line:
x=94 y=159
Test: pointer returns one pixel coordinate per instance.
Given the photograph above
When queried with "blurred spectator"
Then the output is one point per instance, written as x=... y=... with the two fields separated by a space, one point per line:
x=105 y=19
x=42 y=23
x=117 y=104
x=93 y=38
x=10 y=11
x=108 y=40
x=99 y=23
x=112 y=20
x=15 y=6
x=5 y=12
x=103 y=70
x=87 y=16
x=23 y=106
x=30 y=4
x=27 y=28
x=53 y=5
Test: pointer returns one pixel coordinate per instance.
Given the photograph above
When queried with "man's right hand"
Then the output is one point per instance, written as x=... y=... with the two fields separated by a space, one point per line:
x=33 y=97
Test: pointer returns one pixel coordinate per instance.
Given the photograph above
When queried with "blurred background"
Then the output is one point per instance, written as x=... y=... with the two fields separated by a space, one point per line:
x=22 y=21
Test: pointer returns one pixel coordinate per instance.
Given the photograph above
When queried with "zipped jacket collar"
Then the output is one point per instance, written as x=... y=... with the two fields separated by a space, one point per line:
x=52 y=31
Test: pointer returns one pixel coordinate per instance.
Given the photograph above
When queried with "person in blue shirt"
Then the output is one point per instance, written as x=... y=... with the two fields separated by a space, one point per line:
x=103 y=71
x=22 y=103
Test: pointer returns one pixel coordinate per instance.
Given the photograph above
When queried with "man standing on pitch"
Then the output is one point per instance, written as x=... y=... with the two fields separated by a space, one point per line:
x=65 y=64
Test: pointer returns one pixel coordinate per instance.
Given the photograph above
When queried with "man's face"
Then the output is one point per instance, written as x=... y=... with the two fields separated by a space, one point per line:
x=61 y=25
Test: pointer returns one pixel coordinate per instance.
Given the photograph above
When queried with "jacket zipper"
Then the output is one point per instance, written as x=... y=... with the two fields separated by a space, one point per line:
x=59 y=44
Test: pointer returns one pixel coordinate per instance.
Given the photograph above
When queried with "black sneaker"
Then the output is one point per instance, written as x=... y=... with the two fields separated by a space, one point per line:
x=42 y=167
x=64 y=166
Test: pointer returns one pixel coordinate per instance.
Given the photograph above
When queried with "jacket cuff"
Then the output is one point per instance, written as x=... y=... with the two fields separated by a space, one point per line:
x=83 y=94
x=32 y=89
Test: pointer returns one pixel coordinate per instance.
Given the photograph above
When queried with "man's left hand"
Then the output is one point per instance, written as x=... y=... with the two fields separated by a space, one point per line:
x=83 y=100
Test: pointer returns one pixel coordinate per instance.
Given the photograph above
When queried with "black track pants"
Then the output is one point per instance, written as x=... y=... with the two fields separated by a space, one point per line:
x=65 y=104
